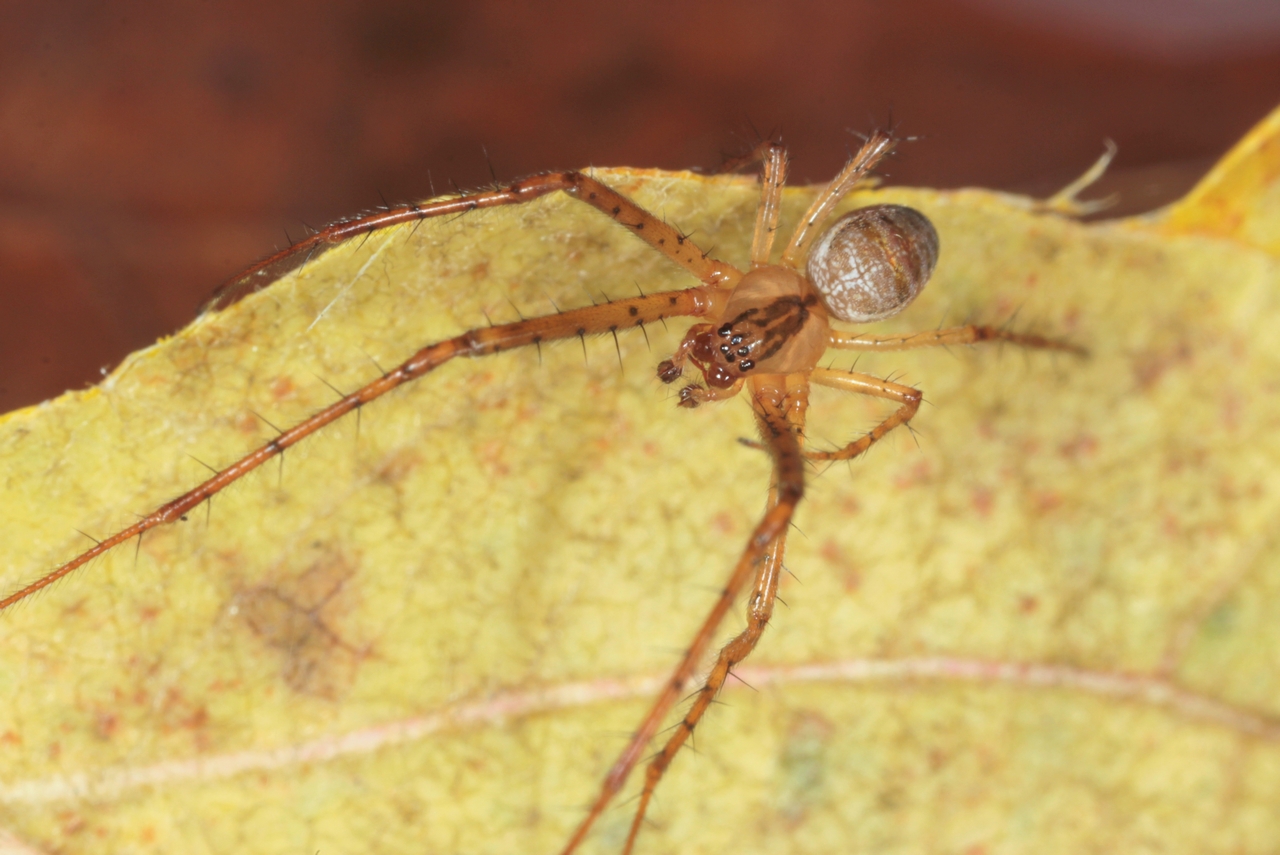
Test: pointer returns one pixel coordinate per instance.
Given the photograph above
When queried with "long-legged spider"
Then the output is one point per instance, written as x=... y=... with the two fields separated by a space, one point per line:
x=762 y=331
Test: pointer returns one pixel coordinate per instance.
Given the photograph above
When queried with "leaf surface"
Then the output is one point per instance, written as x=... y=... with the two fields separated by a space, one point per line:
x=1050 y=624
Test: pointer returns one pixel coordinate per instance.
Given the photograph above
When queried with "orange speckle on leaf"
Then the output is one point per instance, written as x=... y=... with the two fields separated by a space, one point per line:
x=72 y=822
x=1150 y=366
x=105 y=725
x=849 y=575
x=492 y=456
x=849 y=506
x=1230 y=409
x=282 y=388
x=1047 y=500
x=919 y=474
x=198 y=719
x=399 y=466
x=1081 y=446
x=982 y=500
x=723 y=523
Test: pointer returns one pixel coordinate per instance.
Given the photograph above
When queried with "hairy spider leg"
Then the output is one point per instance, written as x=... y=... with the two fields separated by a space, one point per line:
x=907 y=397
x=877 y=146
x=781 y=424
x=661 y=236
x=768 y=395
x=773 y=178
x=757 y=154
x=967 y=334
x=773 y=158
x=604 y=318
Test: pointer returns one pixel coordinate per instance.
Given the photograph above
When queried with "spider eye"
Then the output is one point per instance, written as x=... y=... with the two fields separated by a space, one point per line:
x=873 y=261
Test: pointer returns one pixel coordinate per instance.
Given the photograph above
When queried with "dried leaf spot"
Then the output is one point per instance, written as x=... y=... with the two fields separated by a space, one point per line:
x=983 y=501
x=918 y=474
x=1151 y=365
x=298 y=618
x=72 y=822
x=282 y=388
x=839 y=562
x=802 y=767
x=724 y=523
x=398 y=466
x=248 y=424
x=492 y=456
x=1045 y=501
x=1043 y=246
x=1222 y=621
x=1083 y=446
x=179 y=713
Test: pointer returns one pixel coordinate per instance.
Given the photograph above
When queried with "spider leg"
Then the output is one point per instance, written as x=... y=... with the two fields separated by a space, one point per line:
x=967 y=334
x=604 y=318
x=759 y=154
x=864 y=384
x=773 y=178
x=876 y=147
x=759 y=612
x=658 y=234
x=652 y=230
x=760 y=603
x=761 y=560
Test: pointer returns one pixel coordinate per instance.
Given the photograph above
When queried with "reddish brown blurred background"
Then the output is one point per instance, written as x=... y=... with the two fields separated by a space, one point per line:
x=148 y=151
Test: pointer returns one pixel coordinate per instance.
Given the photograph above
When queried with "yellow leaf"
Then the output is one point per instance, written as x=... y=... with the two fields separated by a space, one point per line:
x=1051 y=625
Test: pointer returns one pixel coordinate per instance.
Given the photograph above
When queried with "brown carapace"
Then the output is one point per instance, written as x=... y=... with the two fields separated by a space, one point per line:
x=762 y=331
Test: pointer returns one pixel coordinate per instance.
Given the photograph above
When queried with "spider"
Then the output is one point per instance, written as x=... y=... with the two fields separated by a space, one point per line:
x=759 y=333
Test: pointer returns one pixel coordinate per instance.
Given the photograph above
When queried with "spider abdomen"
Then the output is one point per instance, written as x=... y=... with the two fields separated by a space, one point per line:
x=873 y=262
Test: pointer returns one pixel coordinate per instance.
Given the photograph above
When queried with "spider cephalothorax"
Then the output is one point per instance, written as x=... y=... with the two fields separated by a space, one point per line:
x=773 y=323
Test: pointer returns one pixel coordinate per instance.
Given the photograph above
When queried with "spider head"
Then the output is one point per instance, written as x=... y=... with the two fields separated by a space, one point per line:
x=773 y=323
